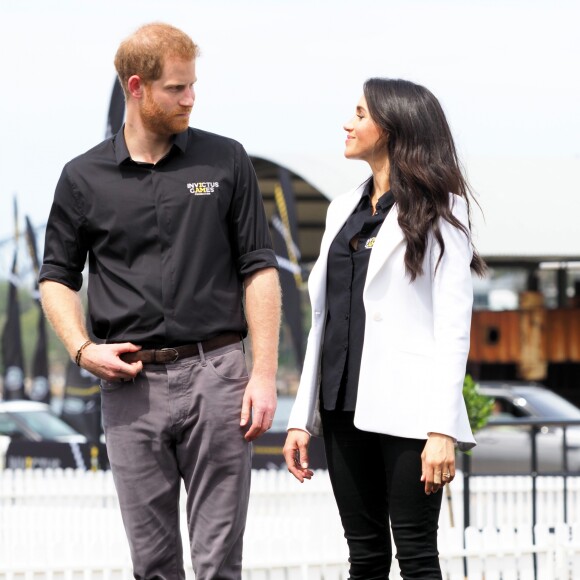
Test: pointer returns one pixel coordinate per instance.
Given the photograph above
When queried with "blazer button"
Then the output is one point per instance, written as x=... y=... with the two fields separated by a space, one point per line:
x=377 y=317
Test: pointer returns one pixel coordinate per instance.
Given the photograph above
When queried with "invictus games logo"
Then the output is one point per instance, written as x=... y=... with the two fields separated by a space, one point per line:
x=370 y=243
x=203 y=187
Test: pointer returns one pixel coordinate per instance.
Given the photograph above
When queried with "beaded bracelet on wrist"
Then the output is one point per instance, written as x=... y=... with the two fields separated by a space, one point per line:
x=80 y=352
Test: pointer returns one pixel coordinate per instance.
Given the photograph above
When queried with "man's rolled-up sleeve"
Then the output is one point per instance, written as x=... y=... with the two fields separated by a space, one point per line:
x=65 y=248
x=257 y=260
x=249 y=224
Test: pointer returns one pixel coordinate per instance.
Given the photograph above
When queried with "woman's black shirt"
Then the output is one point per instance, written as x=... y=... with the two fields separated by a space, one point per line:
x=348 y=260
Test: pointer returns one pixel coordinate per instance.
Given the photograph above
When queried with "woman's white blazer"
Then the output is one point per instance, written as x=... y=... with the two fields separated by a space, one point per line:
x=416 y=338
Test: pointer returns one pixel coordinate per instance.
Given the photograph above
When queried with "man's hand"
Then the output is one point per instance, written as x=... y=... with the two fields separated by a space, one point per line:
x=63 y=308
x=103 y=360
x=437 y=462
x=296 y=454
x=259 y=405
x=263 y=300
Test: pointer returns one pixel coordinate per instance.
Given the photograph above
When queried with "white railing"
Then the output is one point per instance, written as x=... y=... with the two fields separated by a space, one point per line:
x=66 y=524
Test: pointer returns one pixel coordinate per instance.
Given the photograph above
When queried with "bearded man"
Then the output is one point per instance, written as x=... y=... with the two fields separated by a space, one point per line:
x=173 y=224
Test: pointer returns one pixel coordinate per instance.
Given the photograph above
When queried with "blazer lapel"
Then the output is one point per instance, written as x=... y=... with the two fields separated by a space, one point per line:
x=389 y=237
x=317 y=281
x=340 y=215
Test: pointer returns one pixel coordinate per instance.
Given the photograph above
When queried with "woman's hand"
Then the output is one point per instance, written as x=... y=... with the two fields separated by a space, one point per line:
x=438 y=462
x=296 y=454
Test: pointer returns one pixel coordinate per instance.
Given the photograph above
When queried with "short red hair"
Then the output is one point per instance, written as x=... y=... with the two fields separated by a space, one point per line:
x=144 y=52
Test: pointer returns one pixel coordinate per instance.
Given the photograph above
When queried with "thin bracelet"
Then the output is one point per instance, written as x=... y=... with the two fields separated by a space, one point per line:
x=80 y=352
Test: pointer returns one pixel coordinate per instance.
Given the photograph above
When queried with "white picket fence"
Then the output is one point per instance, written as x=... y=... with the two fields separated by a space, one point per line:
x=66 y=525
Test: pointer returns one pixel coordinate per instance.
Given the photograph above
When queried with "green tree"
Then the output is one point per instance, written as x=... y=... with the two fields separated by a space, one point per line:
x=479 y=407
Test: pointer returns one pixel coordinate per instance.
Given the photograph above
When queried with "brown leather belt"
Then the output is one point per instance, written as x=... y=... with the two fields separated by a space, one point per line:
x=174 y=353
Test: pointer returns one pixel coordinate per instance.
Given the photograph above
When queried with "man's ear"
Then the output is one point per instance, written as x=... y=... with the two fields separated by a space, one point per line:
x=135 y=86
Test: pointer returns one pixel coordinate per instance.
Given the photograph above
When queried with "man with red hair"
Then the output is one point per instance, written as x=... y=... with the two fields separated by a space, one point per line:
x=172 y=222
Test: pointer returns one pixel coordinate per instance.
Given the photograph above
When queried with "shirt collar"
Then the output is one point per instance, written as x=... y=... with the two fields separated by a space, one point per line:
x=122 y=154
x=180 y=140
x=384 y=202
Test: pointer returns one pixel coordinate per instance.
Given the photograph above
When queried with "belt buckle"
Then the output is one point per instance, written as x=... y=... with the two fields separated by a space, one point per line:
x=167 y=349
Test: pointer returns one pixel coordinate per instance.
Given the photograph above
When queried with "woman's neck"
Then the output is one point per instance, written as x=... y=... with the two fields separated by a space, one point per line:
x=381 y=181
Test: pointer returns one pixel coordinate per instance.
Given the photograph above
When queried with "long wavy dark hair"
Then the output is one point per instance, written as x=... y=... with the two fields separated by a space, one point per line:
x=424 y=167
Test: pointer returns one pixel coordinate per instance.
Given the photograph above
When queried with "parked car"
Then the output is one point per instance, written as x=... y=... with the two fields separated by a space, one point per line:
x=32 y=437
x=32 y=421
x=507 y=449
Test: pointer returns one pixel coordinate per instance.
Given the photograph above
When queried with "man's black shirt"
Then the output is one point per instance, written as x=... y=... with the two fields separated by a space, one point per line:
x=168 y=244
x=348 y=261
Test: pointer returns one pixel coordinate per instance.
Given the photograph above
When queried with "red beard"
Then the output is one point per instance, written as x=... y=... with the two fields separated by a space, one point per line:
x=158 y=120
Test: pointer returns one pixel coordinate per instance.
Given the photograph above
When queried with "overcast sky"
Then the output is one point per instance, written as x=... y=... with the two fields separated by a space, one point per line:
x=282 y=76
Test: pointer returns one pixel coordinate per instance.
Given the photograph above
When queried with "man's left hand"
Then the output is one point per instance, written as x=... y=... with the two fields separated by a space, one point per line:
x=258 y=406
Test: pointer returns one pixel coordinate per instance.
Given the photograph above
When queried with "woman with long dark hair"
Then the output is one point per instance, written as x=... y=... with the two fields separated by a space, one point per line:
x=391 y=298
